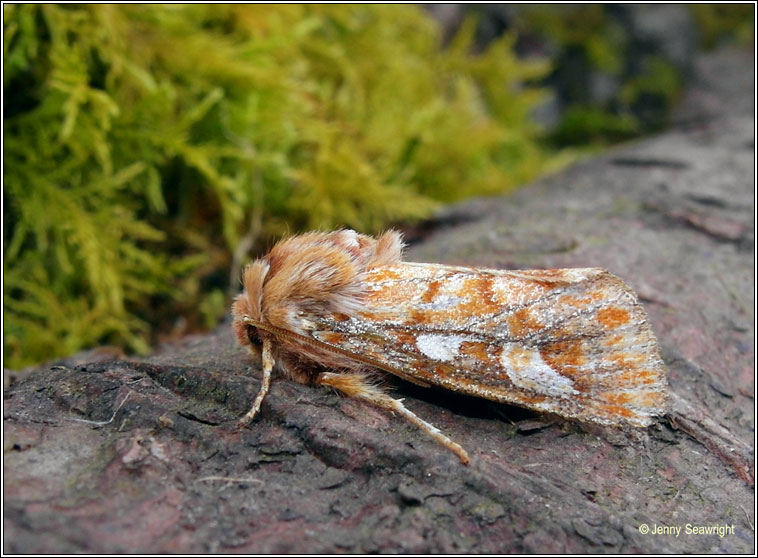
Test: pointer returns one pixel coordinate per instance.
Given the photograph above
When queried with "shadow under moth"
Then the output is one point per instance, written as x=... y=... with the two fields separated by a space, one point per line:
x=335 y=309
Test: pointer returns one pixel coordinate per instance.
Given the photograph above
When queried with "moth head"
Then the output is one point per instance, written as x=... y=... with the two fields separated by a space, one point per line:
x=247 y=309
x=249 y=336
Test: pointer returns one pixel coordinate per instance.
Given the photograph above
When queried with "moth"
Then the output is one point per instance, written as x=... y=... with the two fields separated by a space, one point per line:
x=337 y=309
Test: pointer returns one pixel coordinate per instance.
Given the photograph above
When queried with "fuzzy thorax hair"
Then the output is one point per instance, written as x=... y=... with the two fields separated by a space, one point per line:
x=300 y=279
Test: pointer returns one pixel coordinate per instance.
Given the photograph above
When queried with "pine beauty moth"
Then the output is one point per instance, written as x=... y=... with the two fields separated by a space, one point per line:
x=334 y=309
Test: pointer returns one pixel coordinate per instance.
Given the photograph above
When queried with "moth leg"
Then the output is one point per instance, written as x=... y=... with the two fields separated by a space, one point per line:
x=268 y=364
x=358 y=386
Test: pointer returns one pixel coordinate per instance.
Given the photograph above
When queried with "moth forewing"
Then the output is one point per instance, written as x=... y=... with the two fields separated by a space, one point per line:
x=573 y=342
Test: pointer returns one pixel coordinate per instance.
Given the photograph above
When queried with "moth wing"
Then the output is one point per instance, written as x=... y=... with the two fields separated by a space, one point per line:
x=575 y=342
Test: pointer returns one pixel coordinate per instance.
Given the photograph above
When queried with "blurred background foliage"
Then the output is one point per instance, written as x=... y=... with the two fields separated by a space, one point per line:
x=617 y=69
x=151 y=150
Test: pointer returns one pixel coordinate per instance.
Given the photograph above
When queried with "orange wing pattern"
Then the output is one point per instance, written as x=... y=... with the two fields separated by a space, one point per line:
x=575 y=342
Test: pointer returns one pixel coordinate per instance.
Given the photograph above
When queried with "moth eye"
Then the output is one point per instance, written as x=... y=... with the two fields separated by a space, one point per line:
x=253 y=336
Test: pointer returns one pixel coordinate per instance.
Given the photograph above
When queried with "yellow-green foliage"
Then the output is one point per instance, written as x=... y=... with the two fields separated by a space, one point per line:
x=145 y=143
x=597 y=39
x=727 y=23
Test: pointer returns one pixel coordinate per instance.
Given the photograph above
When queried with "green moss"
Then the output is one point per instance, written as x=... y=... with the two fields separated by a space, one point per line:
x=149 y=149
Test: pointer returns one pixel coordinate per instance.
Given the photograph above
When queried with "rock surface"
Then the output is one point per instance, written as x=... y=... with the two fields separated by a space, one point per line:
x=105 y=455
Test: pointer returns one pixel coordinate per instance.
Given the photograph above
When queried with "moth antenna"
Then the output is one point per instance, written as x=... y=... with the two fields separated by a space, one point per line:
x=268 y=364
